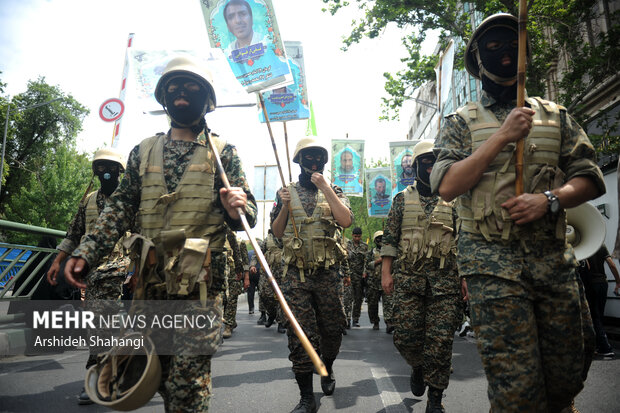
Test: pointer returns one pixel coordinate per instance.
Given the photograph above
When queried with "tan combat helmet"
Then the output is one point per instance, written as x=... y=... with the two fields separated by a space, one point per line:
x=309 y=142
x=186 y=66
x=376 y=235
x=107 y=154
x=473 y=64
x=422 y=148
x=125 y=380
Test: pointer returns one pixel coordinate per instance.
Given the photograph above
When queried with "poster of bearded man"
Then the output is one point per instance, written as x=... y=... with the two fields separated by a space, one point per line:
x=401 y=164
x=348 y=165
x=378 y=192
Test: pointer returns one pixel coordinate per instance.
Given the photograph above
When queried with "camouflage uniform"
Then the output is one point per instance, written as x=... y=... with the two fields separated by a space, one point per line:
x=375 y=291
x=347 y=291
x=314 y=300
x=104 y=283
x=357 y=258
x=186 y=380
x=236 y=264
x=524 y=296
x=272 y=249
x=426 y=299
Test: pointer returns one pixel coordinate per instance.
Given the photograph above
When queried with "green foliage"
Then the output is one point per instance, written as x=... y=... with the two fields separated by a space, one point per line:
x=35 y=132
x=588 y=63
x=50 y=194
x=44 y=175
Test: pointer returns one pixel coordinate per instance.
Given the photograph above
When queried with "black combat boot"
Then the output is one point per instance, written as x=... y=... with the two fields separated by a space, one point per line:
x=270 y=321
x=83 y=398
x=417 y=381
x=281 y=328
x=328 y=383
x=262 y=319
x=433 y=405
x=306 y=403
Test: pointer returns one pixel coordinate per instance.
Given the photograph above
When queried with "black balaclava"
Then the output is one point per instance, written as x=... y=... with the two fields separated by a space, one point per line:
x=378 y=241
x=108 y=173
x=308 y=167
x=191 y=116
x=493 y=71
x=423 y=178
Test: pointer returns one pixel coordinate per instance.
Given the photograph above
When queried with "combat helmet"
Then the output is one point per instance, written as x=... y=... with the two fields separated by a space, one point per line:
x=309 y=142
x=186 y=66
x=376 y=235
x=107 y=154
x=125 y=379
x=473 y=64
x=421 y=148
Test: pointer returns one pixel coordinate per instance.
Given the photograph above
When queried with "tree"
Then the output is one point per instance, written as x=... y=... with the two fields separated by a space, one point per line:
x=50 y=195
x=554 y=27
x=36 y=132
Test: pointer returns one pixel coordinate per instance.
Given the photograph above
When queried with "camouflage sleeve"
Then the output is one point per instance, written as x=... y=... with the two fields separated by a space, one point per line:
x=76 y=229
x=345 y=268
x=391 y=230
x=453 y=145
x=243 y=249
x=236 y=177
x=370 y=262
x=343 y=198
x=277 y=206
x=117 y=217
x=577 y=157
x=236 y=251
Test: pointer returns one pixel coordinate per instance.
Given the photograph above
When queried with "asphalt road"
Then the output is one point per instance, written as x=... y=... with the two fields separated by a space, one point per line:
x=252 y=373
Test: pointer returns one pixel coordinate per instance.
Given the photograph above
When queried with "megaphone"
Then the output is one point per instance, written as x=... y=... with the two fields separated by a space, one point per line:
x=585 y=230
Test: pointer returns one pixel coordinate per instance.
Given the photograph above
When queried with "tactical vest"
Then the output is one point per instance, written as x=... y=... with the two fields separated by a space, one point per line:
x=316 y=245
x=91 y=215
x=480 y=208
x=425 y=237
x=273 y=252
x=184 y=224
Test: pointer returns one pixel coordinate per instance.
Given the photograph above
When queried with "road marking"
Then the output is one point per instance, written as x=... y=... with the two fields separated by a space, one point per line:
x=389 y=396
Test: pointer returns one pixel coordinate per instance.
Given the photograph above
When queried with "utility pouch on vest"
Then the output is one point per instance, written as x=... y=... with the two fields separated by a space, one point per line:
x=143 y=264
x=412 y=244
x=293 y=254
x=324 y=249
x=439 y=242
x=184 y=270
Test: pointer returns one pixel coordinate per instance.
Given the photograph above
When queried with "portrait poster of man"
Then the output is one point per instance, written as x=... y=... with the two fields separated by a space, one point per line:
x=378 y=192
x=348 y=165
x=401 y=163
x=289 y=102
x=248 y=34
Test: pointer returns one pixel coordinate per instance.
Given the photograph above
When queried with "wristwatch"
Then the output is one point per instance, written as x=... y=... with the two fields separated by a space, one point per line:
x=553 y=203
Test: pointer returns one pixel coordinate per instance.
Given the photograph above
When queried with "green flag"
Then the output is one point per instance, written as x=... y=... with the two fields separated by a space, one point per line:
x=311 y=128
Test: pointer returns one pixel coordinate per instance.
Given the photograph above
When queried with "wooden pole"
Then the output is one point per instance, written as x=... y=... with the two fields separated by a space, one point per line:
x=275 y=151
x=521 y=91
x=316 y=360
x=288 y=155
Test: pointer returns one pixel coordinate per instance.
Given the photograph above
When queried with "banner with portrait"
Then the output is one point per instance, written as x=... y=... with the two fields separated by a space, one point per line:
x=378 y=192
x=289 y=102
x=247 y=32
x=401 y=164
x=348 y=165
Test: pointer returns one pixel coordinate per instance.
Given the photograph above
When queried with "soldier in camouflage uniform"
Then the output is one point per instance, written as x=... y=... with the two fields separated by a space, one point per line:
x=272 y=249
x=420 y=231
x=356 y=254
x=375 y=291
x=309 y=277
x=105 y=282
x=237 y=279
x=521 y=274
x=172 y=181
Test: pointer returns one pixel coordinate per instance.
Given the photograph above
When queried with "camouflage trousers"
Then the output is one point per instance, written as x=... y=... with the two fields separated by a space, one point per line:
x=267 y=298
x=347 y=300
x=535 y=342
x=234 y=290
x=374 y=295
x=358 y=295
x=424 y=331
x=318 y=308
x=101 y=292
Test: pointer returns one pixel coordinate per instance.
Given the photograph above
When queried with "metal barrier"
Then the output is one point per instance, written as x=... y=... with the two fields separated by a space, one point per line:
x=16 y=262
